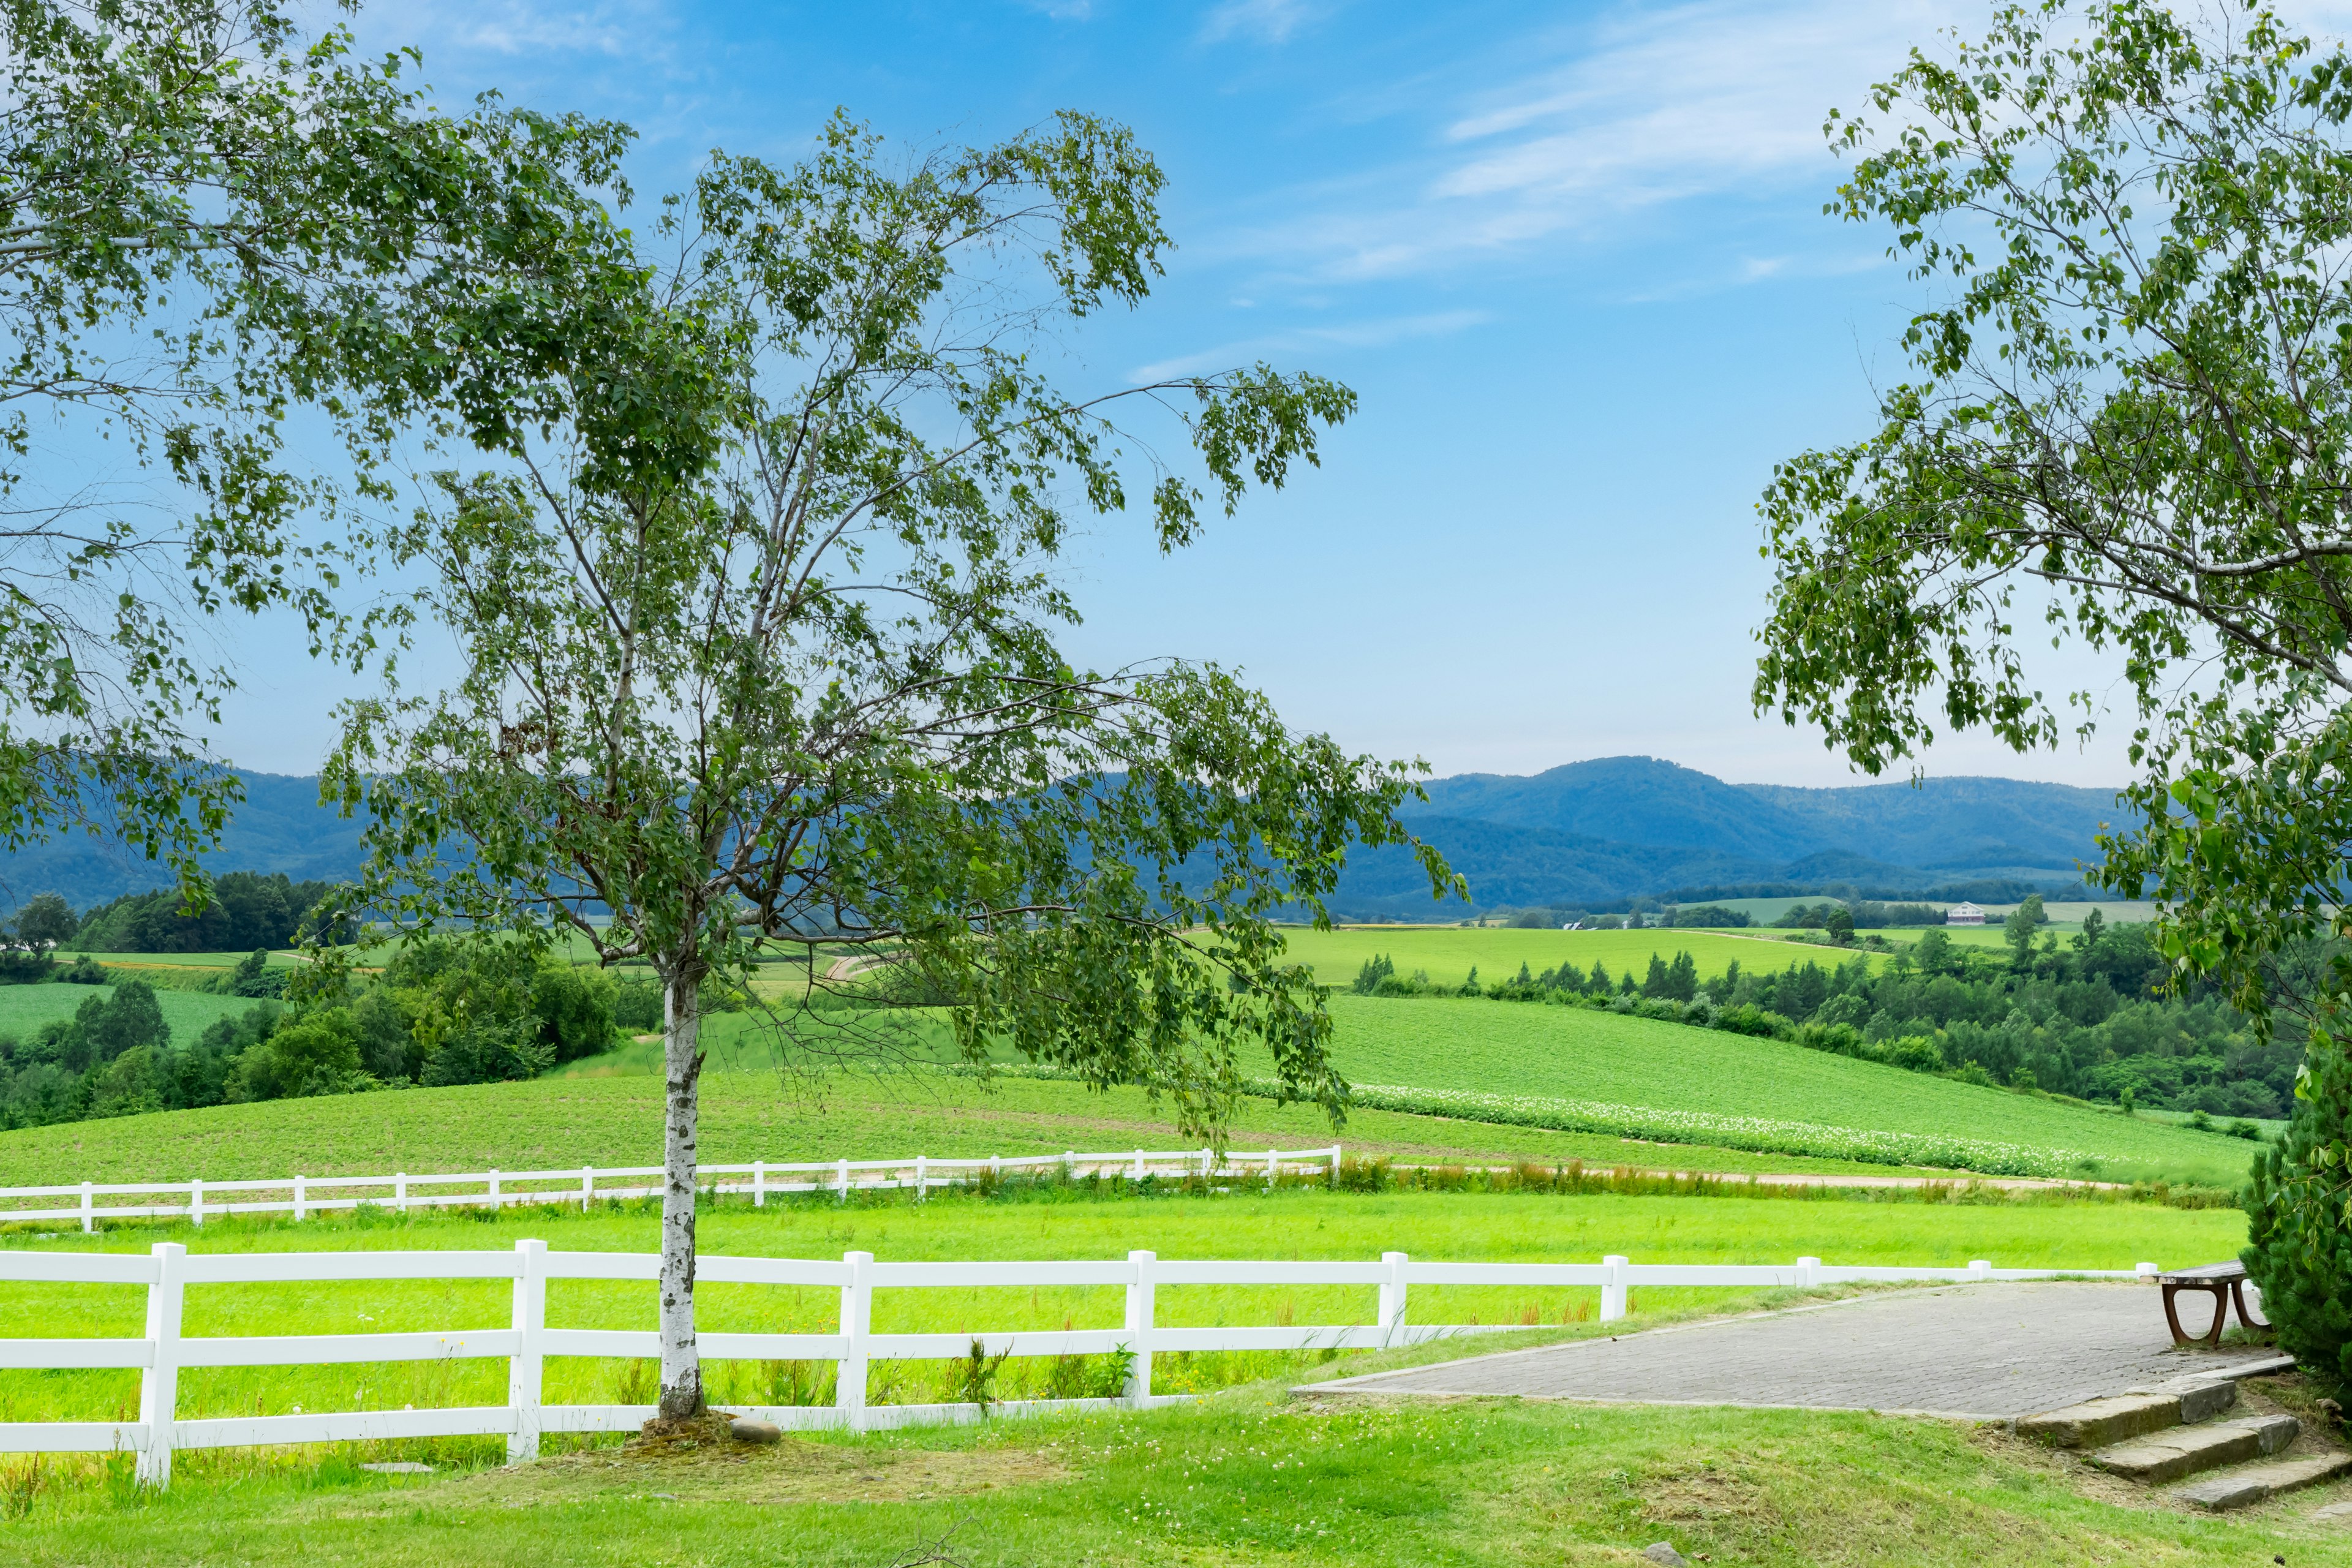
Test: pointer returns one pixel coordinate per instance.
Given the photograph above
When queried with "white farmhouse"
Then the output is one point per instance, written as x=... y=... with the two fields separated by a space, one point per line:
x=1963 y=915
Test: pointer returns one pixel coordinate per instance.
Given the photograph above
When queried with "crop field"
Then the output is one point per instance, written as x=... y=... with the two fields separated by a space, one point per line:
x=1448 y=953
x=1293 y=1224
x=1568 y=1053
x=563 y=1123
x=24 y=1008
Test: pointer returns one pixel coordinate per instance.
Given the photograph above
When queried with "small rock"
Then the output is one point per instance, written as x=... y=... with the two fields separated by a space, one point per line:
x=399 y=1467
x=750 y=1430
x=1658 y=1551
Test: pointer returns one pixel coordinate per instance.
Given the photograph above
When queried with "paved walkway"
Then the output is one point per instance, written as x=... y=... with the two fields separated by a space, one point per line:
x=1984 y=1351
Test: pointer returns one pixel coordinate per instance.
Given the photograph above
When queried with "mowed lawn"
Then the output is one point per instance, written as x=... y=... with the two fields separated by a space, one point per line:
x=562 y=1123
x=1513 y=1048
x=1250 y=1476
x=1292 y=1223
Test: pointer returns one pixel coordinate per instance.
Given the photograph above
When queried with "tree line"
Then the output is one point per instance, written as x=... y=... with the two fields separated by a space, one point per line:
x=246 y=909
x=437 y=1013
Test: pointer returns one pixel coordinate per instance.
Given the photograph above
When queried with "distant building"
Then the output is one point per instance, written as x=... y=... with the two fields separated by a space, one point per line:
x=1963 y=915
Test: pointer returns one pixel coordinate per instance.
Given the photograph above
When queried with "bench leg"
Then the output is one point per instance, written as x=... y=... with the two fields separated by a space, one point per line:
x=2212 y=1337
x=2238 y=1294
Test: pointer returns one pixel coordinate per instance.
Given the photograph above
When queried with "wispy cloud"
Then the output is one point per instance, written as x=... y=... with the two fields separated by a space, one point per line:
x=1269 y=21
x=1368 y=334
x=612 y=29
x=1641 y=109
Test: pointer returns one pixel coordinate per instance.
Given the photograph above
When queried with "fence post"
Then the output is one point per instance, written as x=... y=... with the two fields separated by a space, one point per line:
x=301 y=1209
x=922 y=1178
x=1614 y=1293
x=1335 y=1167
x=856 y=1327
x=195 y=1203
x=1138 y=1164
x=2148 y=1273
x=1272 y=1167
x=400 y=1191
x=526 y=1368
x=88 y=1223
x=1809 y=1273
x=1393 y=1301
x=844 y=1181
x=494 y=1190
x=1979 y=1269
x=759 y=1183
x=587 y=1187
x=1139 y=1291
x=1208 y=1158
x=1069 y=1165
x=159 y=1384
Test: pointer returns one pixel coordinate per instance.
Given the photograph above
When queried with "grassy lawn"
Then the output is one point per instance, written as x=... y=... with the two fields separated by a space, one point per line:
x=24 y=1008
x=565 y=1122
x=1253 y=1478
x=1569 y=1053
x=1051 y=1223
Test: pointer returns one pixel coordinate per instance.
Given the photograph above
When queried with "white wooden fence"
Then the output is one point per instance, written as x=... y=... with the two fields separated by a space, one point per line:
x=170 y=1269
x=302 y=1196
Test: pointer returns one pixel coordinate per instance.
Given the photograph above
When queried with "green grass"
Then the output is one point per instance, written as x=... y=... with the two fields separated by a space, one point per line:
x=560 y=1123
x=1571 y=1053
x=1250 y=1477
x=1447 y=953
x=24 y=1008
x=1294 y=1223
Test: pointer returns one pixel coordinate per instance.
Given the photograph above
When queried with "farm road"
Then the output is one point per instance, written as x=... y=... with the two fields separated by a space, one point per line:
x=1982 y=1352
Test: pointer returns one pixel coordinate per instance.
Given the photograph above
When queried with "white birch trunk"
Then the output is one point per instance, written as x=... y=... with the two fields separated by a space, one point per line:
x=681 y=1360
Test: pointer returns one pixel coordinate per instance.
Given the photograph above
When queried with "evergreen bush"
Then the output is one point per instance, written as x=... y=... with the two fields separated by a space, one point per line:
x=2299 y=1250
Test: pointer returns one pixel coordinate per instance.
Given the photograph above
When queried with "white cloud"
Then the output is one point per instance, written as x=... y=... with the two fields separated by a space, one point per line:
x=1370 y=334
x=614 y=29
x=1643 y=108
x=1269 y=21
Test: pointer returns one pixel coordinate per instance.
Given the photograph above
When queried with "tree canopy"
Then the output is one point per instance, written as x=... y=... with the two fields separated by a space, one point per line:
x=759 y=617
x=2129 y=417
x=210 y=225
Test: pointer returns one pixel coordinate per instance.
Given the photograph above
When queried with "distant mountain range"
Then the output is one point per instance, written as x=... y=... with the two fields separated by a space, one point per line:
x=1599 y=833
x=1587 y=835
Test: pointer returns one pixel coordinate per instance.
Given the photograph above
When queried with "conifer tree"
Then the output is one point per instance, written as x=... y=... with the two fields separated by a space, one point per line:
x=2300 y=1247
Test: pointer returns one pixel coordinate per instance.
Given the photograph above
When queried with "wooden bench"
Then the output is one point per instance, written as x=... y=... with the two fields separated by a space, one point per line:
x=2226 y=1283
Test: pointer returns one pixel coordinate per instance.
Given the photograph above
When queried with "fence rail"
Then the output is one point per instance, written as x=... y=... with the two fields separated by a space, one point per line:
x=306 y=1195
x=167 y=1271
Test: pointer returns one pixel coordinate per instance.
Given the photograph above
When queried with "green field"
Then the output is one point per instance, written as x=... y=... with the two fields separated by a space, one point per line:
x=24 y=1008
x=1448 y=953
x=563 y=1123
x=1571 y=1053
x=1249 y=1477
x=1296 y=1222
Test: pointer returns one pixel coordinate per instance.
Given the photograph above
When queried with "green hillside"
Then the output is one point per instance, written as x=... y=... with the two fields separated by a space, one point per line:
x=24 y=1008
x=559 y=1123
x=1569 y=1053
x=1448 y=953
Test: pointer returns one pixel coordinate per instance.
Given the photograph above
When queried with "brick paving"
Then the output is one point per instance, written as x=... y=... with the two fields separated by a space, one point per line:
x=1987 y=1351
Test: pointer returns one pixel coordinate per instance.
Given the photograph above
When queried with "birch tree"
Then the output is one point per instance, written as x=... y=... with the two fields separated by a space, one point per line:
x=759 y=614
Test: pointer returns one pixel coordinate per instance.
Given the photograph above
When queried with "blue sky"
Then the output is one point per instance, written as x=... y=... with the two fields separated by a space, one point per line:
x=1572 y=258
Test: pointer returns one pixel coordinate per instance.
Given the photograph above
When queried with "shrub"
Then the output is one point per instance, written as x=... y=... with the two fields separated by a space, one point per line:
x=2299 y=1247
x=1376 y=969
x=1915 y=1053
x=1750 y=1020
x=1975 y=1073
x=637 y=1004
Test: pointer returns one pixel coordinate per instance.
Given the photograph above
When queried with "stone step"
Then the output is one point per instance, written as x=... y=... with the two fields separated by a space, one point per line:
x=2249 y=1487
x=2096 y=1423
x=2185 y=1450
